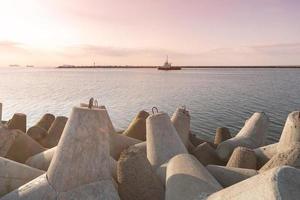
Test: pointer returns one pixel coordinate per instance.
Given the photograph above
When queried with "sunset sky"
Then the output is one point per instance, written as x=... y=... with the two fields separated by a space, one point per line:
x=143 y=32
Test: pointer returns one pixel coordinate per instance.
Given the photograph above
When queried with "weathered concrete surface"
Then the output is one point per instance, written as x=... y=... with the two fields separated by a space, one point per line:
x=120 y=142
x=242 y=157
x=207 y=155
x=195 y=140
x=278 y=183
x=97 y=190
x=291 y=132
x=46 y=121
x=252 y=135
x=265 y=153
x=142 y=146
x=22 y=147
x=7 y=139
x=82 y=154
x=18 y=121
x=163 y=142
x=37 y=133
x=161 y=172
x=181 y=121
x=136 y=178
x=222 y=134
x=137 y=128
x=54 y=132
x=14 y=174
x=37 y=189
x=187 y=178
x=289 y=157
x=41 y=160
x=228 y=176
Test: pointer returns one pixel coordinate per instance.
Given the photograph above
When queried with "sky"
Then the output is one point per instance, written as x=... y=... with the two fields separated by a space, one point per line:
x=142 y=32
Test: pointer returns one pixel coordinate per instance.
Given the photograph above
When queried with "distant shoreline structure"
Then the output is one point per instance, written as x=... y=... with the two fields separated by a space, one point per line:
x=186 y=67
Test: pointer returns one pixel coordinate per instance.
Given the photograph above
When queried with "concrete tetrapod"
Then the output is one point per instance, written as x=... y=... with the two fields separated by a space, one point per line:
x=54 y=132
x=222 y=134
x=42 y=161
x=265 y=153
x=187 y=178
x=289 y=157
x=120 y=142
x=242 y=157
x=207 y=155
x=37 y=133
x=252 y=136
x=80 y=167
x=163 y=142
x=137 y=128
x=181 y=121
x=291 y=132
x=19 y=146
x=136 y=178
x=228 y=176
x=46 y=121
x=18 y=121
x=278 y=183
x=14 y=174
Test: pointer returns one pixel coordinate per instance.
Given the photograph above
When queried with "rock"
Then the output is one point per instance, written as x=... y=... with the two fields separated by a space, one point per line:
x=181 y=121
x=18 y=121
x=163 y=142
x=137 y=180
x=137 y=128
x=291 y=132
x=242 y=157
x=252 y=136
x=207 y=155
x=54 y=132
x=222 y=134
x=187 y=178
x=14 y=174
x=278 y=183
x=228 y=176
x=265 y=153
x=289 y=157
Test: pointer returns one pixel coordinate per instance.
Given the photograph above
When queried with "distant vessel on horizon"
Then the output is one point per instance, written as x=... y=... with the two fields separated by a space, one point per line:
x=168 y=66
x=29 y=66
x=14 y=65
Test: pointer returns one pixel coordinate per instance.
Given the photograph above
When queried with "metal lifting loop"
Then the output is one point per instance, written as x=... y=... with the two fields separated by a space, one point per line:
x=91 y=102
x=153 y=109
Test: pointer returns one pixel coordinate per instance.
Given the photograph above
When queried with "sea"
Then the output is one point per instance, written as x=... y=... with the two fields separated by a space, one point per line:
x=214 y=97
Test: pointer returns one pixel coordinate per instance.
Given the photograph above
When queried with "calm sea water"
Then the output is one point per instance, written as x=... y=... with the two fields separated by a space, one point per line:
x=214 y=97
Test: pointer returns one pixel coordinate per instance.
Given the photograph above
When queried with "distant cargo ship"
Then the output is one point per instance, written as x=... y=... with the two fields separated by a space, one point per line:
x=168 y=66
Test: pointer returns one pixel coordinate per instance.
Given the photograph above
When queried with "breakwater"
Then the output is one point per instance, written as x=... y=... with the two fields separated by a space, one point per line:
x=81 y=156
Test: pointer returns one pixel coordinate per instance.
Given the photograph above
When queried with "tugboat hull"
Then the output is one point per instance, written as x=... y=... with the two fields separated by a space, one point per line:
x=169 y=68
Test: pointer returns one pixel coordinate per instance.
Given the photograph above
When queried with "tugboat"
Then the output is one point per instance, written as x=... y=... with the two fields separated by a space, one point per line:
x=168 y=66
